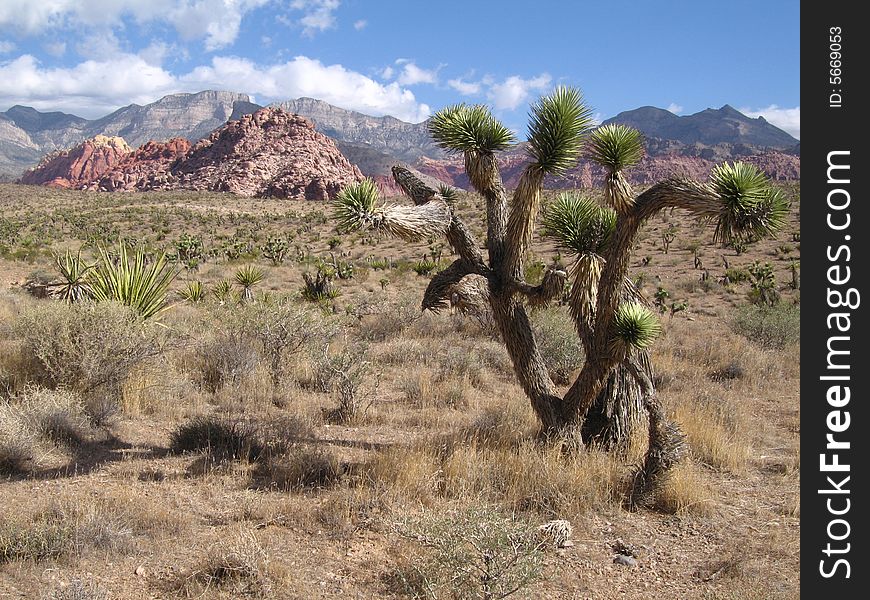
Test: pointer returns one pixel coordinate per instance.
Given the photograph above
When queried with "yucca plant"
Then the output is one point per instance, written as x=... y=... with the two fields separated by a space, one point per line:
x=222 y=291
x=74 y=271
x=611 y=317
x=193 y=292
x=133 y=280
x=247 y=277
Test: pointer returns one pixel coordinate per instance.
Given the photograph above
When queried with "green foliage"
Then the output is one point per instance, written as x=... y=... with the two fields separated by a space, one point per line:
x=222 y=291
x=189 y=251
x=615 y=146
x=247 y=277
x=355 y=205
x=763 y=283
x=193 y=292
x=448 y=193
x=751 y=207
x=475 y=553
x=660 y=297
x=74 y=285
x=463 y=128
x=133 y=281
x=770 y=326
x=425 y=266
x=635 y=326
x=557 y=126
x=579 y=223
x=276 y=249
x=318 y=287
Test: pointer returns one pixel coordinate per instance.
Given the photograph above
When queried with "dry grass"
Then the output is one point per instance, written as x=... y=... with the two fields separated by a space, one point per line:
x=448 y=429
x=687 y=491
x=238 y=566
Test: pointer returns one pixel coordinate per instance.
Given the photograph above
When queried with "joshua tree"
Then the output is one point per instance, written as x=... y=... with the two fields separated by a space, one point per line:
x=612 y=319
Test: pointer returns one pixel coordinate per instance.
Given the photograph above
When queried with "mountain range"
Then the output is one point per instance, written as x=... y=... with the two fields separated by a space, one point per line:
x=684 y=143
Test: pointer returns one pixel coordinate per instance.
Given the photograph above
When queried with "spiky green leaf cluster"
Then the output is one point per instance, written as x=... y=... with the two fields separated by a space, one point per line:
x=355 y=205
x=635 y=326
x=557 y=126
x=194 y=292
x=751 y=207
x=449 y=193
x=615 y=146
x=74 y=272
x=464 y=128
x=579 y=223
x=136 y=281
x=249 y=276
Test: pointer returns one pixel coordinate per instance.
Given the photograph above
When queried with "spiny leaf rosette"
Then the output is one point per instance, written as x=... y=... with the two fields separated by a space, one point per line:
x=615 y=325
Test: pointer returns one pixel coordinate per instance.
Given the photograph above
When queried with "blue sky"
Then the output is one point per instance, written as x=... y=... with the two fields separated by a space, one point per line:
x=406 y=59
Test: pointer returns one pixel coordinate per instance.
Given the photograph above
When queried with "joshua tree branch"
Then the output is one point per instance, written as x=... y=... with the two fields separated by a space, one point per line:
x=458 y=235
x=551 y=287
x=453 y=280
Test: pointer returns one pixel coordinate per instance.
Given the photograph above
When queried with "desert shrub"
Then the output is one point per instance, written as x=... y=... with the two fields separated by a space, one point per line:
x=240 y=565
x=16 y=443
x=770 y=326
x=57 y=416
x=225 y=355
x=303 y=467
x=42 y=540
x=558 y=344
x=231 y=437
x=89 y=348
x=474 y=553
x=380 y=320
x=64 y=529
x=281 y=329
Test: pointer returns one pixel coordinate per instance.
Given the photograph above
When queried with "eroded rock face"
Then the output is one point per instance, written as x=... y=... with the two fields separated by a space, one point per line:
x=79 y=166
x=270 y=153
x=145 y=168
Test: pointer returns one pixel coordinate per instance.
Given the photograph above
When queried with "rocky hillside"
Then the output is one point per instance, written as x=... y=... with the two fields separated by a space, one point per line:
x=269 y=153
x=81 y=165
x=27 y=134
x=148 y=167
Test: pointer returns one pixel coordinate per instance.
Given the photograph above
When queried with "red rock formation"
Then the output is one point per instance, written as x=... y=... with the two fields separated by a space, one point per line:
x=269 y=153
x=147 y=167
x=79 y=166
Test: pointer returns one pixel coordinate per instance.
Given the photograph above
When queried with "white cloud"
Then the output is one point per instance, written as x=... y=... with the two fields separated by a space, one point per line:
x=466 y=88
x=215 y=21
x=96 y=87
x=157 y=51
x=787 y=119
x=303 y=76
x=91 y=88
x=6 y=47
x=361 y=24
x=99 y=44
x=674 y=108
x=411 y=74
x=318 y=15
x=387 y=73
x=513 y=91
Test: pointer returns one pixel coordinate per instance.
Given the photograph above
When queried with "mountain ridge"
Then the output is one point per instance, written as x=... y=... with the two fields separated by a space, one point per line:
x=373 y=143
